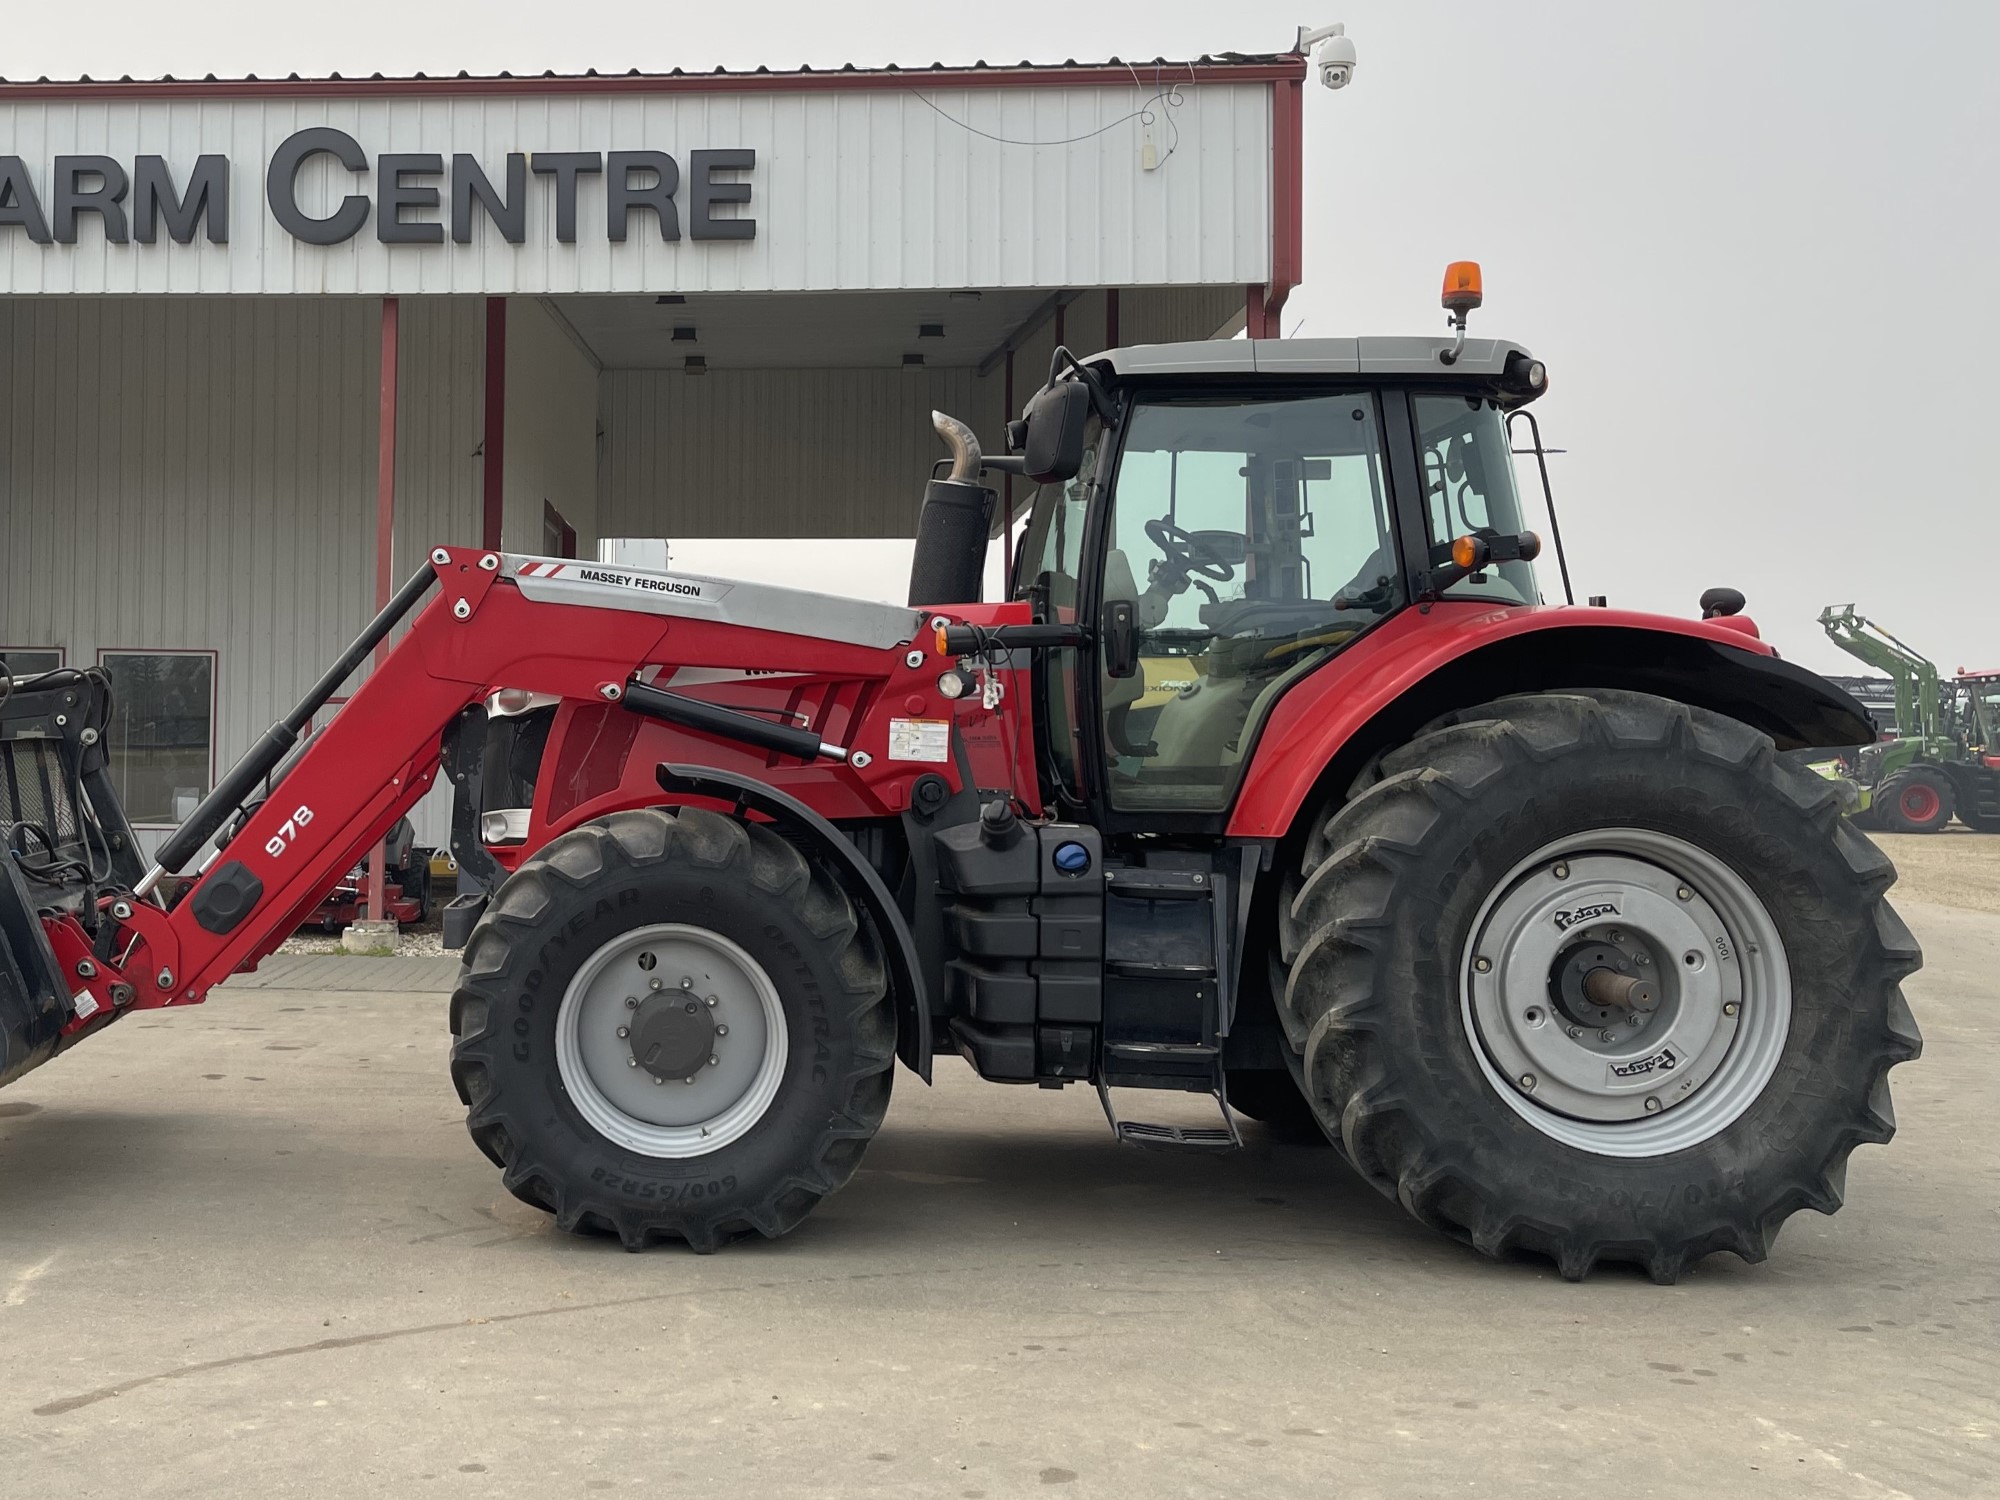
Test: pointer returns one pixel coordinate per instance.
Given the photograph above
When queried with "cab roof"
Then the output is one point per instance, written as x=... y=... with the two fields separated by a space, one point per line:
x=1394 y=356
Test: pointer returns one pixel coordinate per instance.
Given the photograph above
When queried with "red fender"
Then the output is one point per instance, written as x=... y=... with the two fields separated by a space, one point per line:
x=1315 y=719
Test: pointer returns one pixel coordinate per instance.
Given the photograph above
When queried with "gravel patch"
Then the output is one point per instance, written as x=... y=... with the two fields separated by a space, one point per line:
x=1955 y=867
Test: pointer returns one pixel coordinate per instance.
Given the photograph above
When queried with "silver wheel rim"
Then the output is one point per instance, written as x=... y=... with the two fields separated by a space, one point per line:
x=1636 y=1083
x=709 y=1102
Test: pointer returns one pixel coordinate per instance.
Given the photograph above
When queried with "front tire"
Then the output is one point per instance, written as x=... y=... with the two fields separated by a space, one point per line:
x=672 y=1025
x=1916 y=799
x=1441 y=983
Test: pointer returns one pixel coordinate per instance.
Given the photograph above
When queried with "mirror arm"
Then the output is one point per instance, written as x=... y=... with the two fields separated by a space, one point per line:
x=1100 y=399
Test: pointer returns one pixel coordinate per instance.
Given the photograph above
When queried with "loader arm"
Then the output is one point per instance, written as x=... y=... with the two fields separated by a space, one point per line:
x=493 y=621
x=1915 y=677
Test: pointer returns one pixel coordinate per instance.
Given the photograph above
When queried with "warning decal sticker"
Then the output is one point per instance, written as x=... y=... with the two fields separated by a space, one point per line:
x=920 y=739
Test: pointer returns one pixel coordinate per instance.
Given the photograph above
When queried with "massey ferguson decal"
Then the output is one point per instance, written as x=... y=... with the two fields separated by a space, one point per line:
x=648 y=583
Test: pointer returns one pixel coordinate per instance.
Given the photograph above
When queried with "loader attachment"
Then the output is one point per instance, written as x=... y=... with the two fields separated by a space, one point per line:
x=63 y=837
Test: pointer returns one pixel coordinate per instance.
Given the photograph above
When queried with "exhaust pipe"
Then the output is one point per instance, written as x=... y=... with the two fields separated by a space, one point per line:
x=952 y=528
x=964 y=445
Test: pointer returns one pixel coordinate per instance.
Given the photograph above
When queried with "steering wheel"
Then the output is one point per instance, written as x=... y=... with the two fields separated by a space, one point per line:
x=1185 y=551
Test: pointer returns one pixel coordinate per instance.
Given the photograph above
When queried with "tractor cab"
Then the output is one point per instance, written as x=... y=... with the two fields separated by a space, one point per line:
x=1232 y=516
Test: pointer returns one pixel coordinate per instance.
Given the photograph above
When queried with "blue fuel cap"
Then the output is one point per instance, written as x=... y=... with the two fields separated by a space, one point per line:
x=1072 y=858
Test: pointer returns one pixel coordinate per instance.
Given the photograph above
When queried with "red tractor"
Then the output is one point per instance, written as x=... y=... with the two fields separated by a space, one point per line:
x=1272 y=781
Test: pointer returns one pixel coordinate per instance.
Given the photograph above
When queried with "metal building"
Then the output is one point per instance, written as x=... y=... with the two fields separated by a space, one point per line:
x=262 y=343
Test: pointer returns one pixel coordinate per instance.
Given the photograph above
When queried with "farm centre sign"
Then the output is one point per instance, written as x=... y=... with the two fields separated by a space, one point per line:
x=411 y=197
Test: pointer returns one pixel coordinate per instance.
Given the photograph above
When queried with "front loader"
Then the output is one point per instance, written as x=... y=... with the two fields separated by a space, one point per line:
x=1271 y=782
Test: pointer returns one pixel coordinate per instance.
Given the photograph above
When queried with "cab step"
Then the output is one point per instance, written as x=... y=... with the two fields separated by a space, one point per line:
x=1223 y=1137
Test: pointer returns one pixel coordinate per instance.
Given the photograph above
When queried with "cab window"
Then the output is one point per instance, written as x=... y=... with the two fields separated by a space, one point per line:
x=1469 y=486
x=1253 y=538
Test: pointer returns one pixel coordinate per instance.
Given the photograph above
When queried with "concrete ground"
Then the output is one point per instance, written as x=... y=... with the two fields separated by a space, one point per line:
x=249 y=1250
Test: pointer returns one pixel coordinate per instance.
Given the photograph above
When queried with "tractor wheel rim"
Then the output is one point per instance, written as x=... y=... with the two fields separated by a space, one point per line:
x=671 y=1040
x=1618 y=1079
x=1920 y=802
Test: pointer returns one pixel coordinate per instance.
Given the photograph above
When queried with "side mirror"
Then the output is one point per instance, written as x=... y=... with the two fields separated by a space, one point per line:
x=1052 y=447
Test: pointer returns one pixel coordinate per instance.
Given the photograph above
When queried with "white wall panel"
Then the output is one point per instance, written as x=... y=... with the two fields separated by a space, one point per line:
x=551 y=453
x=865 y=189
x=199 y=473
x=770 y=453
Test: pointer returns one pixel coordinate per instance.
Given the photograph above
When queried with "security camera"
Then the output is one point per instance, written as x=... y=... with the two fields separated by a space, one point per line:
x=1335 y=57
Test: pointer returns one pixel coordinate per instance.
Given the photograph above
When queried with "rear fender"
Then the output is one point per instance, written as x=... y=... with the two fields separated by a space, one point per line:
x=1419 y=666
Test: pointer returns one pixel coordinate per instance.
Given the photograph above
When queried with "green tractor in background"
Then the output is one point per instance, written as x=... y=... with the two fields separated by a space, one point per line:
x=1945 y=757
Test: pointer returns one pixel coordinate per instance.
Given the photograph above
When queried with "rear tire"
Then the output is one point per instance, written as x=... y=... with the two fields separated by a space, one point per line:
x=1398 y=1036
x=724 y=910
x=1916 y=799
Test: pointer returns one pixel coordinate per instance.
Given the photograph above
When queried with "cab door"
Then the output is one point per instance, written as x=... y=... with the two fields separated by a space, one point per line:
x=1249 y=538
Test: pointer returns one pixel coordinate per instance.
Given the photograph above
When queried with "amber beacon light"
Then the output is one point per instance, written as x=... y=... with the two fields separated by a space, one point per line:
x=1461 y=295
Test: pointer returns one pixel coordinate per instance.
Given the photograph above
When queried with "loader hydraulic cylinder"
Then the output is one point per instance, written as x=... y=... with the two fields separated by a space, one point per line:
x=279 y=739
x=711 y=718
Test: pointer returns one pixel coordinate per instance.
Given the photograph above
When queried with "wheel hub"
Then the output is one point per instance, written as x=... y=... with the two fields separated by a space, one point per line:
x=1599 y=983
x=671 y=1040
x=673 y=1035
x=1627 y=992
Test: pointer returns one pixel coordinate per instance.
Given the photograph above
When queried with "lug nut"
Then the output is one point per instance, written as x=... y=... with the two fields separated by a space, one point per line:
x=657 y=1081
x=1607 y=1035
x=1685 y=894
x=722 y=1031
x=1731 y=1008
x=631 y=1002
x=631 y=1062
x=686 y=982
x=711 y=1059
x=1652 y=1105
x=623 y=1032
x=711 y=1002
x=656 y=983
x=1561 y=871
x=1483 y=965
x=1576 y=1031
x=688 y=1079
x=1528 y=1082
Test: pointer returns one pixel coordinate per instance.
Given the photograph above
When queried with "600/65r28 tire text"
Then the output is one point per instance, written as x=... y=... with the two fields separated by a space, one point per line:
x=1598 y=976
x=672 y=1025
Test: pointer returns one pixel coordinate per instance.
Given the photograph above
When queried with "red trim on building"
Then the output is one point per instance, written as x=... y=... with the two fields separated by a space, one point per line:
x=1277 y=68
x=385 y=536
x=1287 y=199
x=493 y=446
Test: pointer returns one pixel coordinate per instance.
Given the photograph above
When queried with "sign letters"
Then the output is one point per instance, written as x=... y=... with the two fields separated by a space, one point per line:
x=413 y=197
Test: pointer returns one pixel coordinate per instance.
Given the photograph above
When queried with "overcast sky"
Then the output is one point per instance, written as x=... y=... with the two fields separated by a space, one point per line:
x=1755 y=243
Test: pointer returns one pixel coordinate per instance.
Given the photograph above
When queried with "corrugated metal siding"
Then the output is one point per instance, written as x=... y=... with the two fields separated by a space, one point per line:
x=199 y=473
x=869 y=189
x=552 y=405
x=770 y=453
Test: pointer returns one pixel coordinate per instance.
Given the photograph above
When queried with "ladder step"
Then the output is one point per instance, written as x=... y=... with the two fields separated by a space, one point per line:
x=1162 y=1051
x=1223 y=1137
x=1176 y=1137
